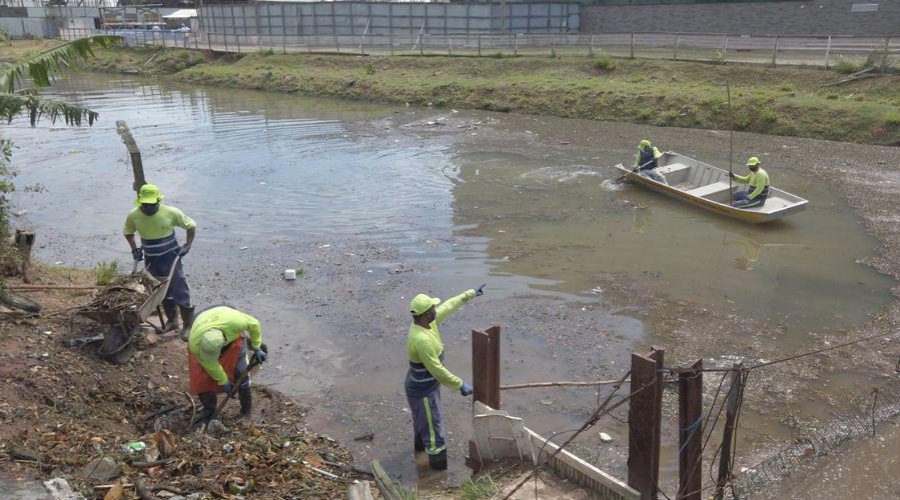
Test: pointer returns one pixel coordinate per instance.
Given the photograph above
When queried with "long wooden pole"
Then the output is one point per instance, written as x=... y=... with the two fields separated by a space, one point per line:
x=730 y=143
x=534 y=385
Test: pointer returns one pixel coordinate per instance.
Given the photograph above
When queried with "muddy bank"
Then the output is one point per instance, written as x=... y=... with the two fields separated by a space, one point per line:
x=62 y=407
x=779 y=101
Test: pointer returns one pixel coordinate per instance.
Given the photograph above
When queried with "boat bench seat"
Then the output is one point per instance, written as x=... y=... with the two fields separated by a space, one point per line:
x=709 y=189
x=672 y=168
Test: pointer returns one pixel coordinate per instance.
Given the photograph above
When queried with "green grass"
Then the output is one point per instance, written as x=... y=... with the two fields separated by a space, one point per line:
x=783 y=100
x=846 y=67
x=480 y=489
x=105 y=272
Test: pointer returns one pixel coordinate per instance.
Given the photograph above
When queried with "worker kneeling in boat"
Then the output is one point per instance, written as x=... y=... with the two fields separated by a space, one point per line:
x=646 y=161
x=219 y=348
x=758 y=182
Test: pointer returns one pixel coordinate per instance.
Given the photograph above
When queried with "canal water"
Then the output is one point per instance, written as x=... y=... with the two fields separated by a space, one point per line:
x=376 y=203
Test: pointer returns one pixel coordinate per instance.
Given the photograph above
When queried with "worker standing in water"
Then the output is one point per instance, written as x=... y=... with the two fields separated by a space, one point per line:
x=156 y=224
x=427 y=372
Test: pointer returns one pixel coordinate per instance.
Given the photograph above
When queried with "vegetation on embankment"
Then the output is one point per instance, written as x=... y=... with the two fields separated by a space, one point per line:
x=780 y=101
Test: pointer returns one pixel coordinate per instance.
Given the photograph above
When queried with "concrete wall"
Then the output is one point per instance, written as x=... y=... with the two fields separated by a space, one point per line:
x=357 y=18
x=822 y=17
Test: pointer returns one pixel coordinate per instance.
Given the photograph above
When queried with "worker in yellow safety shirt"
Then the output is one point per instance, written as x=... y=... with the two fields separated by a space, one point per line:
x=156 y=225
x=221 y=342
x=427 y=373
x=646 y=161
x=758 y=185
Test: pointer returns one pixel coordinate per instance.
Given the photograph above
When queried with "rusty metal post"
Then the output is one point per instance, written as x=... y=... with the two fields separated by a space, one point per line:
x=643 y=428
x=486 y=366
x=657 y=354
x=690 y=432
x=735 y=394
x=137 y=166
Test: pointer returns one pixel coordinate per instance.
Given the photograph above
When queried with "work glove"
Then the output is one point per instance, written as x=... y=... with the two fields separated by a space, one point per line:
x=480 y=290
x=466 y=389
x=731 y=175
x=635 y=169
x=260 y=355
x=228 y=387
x=184 y=250
x=137 y=254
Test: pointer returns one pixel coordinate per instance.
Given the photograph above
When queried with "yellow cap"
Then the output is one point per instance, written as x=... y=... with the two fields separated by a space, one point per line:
x=212 y=341
x=644 y=144
x=421 y=303
x=149 y=194
x=753 y=161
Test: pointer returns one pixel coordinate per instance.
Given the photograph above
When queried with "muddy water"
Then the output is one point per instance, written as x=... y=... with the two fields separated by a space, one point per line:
x=378 y=203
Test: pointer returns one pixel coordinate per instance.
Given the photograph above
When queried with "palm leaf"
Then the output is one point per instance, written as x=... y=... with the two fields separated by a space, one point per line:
x=44 y=66
x=37 y=107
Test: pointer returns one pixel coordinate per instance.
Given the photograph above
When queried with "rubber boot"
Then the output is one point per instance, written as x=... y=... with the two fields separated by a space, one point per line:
x=246 y=402
x=439 y=461
x=171 y=311
x=187 y=319
x=208 y=400
x=418 y=445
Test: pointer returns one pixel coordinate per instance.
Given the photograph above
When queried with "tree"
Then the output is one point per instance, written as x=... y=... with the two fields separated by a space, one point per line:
x=41 y=69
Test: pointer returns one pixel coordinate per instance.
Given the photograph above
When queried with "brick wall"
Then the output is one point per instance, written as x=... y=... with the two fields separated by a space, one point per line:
x=823 y=17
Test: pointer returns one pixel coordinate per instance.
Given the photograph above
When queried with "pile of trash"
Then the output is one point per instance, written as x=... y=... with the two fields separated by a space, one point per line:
x=124 y=293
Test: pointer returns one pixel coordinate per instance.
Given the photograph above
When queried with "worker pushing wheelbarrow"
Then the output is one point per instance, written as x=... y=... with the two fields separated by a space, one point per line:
x=124 y=305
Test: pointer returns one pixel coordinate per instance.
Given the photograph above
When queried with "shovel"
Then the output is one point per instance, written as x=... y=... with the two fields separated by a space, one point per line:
x=254 y=362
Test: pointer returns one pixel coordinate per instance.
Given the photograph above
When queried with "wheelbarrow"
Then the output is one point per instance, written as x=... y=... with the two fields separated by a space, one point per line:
x=124 y=325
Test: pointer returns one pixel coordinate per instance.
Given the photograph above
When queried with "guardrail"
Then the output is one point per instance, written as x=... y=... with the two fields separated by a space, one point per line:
x=822 y=51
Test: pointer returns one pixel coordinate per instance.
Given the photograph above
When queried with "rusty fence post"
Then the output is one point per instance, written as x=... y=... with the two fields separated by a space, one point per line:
x=690 y=432
x=735 y=394
x=644 y=417
x=486 y=366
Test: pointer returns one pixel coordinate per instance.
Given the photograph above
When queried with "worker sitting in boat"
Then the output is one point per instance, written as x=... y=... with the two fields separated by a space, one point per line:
x=758 y=185
x=646 y=161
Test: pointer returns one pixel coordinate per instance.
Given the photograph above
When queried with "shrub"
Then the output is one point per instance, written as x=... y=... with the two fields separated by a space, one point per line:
x=787 y=87
x=892 y=118
x=104 y=272
x=604 y=64
x=482 y=488
x=846 y=67
x=644 y=114
x=370 y=68
x=267 y=52
x=768 y=115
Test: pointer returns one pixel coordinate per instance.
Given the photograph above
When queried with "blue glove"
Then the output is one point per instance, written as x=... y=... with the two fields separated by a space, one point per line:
x=260 y=355
x=137 y=254
x=184 y=250
x=466 y=389
x=228 y=387
x=480 y=290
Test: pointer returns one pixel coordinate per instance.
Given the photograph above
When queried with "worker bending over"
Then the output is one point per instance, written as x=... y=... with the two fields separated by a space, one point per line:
x=156 y=224
x=219 y=348
x=427 y=373
x=758 y=185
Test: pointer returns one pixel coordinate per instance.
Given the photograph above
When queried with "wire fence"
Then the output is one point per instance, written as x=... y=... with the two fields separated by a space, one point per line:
x=827 y=51
x=866 y=412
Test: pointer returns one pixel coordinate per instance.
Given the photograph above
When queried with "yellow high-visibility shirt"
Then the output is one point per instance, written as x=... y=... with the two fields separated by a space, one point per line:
x=158 y=225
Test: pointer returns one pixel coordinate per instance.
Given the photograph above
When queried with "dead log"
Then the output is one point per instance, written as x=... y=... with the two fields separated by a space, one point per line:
x=384 y=483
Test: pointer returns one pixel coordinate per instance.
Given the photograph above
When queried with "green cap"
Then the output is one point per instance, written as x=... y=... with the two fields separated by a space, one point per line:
x=644 y=144
x=212 y=341
x=421 y=303
x=149 y=194
x=753 y=161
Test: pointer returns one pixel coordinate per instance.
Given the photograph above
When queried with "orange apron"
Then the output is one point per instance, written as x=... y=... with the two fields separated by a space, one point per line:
x=200 y=381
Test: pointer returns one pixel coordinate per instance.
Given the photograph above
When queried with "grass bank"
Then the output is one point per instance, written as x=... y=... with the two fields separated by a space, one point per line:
x=780 y=101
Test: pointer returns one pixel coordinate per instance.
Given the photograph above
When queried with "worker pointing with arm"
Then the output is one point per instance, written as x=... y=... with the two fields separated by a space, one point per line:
x=219 y=348
x=156 y=225
x=427 y=372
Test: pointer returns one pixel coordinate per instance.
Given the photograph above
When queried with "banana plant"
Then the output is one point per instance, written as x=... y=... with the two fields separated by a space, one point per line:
x=19 y=82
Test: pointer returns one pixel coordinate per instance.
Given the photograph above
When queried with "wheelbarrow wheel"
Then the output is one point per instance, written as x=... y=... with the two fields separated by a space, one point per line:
x=118 y=345
x=16 y=301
